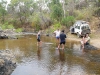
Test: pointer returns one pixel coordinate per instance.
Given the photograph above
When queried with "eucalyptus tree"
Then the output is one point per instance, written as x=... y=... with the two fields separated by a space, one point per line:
x=42 y=14
x=56 y=10
x=41 y=8
x=3 y=11
x=63 y=6
x=21 y=10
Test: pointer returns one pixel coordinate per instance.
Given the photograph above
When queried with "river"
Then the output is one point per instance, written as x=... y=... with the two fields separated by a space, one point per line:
x=47 y=60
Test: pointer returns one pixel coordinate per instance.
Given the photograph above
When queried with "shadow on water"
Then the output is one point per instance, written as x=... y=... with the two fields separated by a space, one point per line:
x=47 y=60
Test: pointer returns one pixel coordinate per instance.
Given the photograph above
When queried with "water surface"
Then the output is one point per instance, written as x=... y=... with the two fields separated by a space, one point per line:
x=47 y=60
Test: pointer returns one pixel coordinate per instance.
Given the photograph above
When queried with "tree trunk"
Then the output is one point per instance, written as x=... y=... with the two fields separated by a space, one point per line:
x=63 y=3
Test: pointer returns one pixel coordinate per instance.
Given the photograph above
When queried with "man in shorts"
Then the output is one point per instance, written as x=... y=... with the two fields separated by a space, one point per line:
x=62 y=40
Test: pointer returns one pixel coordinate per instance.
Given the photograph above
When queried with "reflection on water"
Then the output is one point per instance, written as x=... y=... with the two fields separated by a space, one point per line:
x=47 y=60
x=62 y=55
x=39 y=52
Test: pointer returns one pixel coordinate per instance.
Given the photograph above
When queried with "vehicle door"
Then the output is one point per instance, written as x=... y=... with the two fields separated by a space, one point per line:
x=77 y=29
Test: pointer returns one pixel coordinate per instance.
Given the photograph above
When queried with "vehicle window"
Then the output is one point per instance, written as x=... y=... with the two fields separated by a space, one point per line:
x=75 y=26
x=78 y=27
x=85 y=27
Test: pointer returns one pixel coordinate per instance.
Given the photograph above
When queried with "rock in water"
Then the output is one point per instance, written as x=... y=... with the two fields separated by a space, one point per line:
x=7 y=65
x=90 y=47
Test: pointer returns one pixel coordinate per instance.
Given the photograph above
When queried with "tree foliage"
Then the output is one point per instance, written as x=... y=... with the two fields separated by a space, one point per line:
x=68 y=21
x=57 y=13
x=24 y=13
x=3 y=11
x=56 y=10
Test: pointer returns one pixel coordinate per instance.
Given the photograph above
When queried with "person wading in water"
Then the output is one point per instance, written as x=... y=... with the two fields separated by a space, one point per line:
x=39 y=42
x=62 y=40
x=57 y=34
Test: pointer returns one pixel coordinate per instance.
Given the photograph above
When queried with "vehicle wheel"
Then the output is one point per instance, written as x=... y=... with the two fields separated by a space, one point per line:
x=78 y=35
x=72 y=32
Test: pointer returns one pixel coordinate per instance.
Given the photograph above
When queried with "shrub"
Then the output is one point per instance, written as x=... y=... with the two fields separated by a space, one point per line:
x=19 y=30
x=68 y=21
x=56 y=26
x=97 y=12
x=84 y=14
x=36 y=22
x=10 y=26
x=3 y=27
x=7 y=26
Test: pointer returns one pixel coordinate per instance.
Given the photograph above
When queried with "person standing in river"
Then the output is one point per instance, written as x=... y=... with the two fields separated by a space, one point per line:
x=39 y=42
x=62 y=40
x=57 y=34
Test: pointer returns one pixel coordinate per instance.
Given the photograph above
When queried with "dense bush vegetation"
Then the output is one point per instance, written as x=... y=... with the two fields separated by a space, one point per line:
x=7 y=26
x=43 y=13
x=68 y=21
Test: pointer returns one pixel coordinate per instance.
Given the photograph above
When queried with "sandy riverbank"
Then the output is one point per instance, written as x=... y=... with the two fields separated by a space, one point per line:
x=95 y=39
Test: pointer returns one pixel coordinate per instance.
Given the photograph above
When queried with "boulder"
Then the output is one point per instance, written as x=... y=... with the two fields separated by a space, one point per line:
x=7 y=63
x=8 y=34
x=3 y=37
x=90 y=47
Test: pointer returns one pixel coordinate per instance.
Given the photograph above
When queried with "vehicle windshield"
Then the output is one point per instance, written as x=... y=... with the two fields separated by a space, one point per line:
x=85 y=27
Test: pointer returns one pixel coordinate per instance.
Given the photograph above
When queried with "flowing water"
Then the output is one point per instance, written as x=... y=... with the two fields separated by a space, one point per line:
x=47 y=60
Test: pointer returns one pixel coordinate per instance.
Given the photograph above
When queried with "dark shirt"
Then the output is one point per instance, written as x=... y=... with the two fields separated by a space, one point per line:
x=62 y=37
x=38 y=36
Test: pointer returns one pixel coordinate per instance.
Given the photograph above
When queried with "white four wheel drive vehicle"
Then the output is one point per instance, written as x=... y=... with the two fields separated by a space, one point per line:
x=80 y=28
